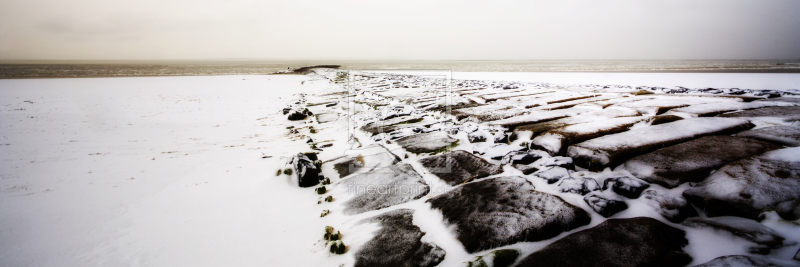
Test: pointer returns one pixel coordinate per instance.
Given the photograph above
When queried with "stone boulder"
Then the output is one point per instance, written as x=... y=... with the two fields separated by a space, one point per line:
x=745 y=228
x=520 y=157
x=694 y=160
x=308 y=174
x=297 y=114
x=784 y=135
x=637 y=241
x=383 y=187
x=626 y=186
x=604 y=206
x=673 y=208
x=747 y=187
x=500 y=211
x=427 y=142
x=459 y=166
x=791 y=113
x=553 y=174
x=737 y=261
x=398 y=243
x=580 y=185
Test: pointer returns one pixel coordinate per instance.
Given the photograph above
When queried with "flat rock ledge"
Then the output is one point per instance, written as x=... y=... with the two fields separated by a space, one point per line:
x=499 y=211
x=640 y=241
x=747 y=187
x=459 y=166
x=427 y=142
x=384 y=187
x=398 y=243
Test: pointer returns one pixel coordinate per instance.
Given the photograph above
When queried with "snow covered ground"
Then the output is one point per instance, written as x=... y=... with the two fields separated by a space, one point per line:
x=181 y=171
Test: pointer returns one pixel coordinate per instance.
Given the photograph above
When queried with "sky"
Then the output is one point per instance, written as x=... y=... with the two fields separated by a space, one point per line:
x=398 y=30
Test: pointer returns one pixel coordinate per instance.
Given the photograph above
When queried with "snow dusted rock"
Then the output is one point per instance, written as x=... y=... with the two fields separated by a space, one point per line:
x=784 y=135
x=327 y=117
x=612 y=150
x=787 y=113
x=581 y=185
x=501 y=138
x=368 y=158
x=748 y=229
x=604 y=206
x=477 y=137
x=563 y=162
x=398 y=243
x=557 y=140
x=384 y=187
x=308 y=174
x=469 y=127
x=459 y=166
x=552 y=174
x=661 y=119
x=427 y=142
x=520 y=157
x=747 y=187
x=499 y=211
x=498 y=258
x=390 y=125
x=737 y=261
x=637 y=241
x=626 y=186
x=525 y=169
x=396 y=111
x=297 y=114
x=694 y=160
x=673 y=208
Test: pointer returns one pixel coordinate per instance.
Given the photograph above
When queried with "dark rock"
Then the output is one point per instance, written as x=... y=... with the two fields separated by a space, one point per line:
x=694 y=160
x=311 y=156
x=308 y=174
x=552 y=174
x=501 y=138
x=391 y=125
x=784 y=135
x=737 y=261
x=459 y=167
x=748 y=229
x=638 y=241
x=477 y=137
x=398 y=243
x=660 y=119
x=797 y=255
x=612 y=150
x=296 y=115
x=747 y=187
x=384 y=187
x=520 y=157
x=582 y=185
x=427 y=142
x=626 y=186
x=286 y=110
x=604 y=206
x=338 y=247
x=498 y=258
x=563 y=162
x=673 y=208
x=494 y=212
x=331 y=104
x=526 y=169
x=788 y=113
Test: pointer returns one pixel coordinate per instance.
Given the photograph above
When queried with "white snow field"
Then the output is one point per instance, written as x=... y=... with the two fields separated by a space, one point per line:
x=181 y=171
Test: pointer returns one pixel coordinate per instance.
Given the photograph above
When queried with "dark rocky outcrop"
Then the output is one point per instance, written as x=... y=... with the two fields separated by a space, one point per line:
x=297 y=114
x=520 y=157
x=552 y=174
x=638 y=241
x=476 y=137
x=790 y=113
x=308 y=174
x=626 y=186
x=747 y=187
x=612 y=150
x=498 y=258
x=581 y=185
x=398 y=243
x=737 y=261
x=748 y=229
x=694 y=160
x=784 y=135
x=383 y=187
x=427 y=142
x=673 y=208
x=605 y=206
x=459 y=166
x=499 y=211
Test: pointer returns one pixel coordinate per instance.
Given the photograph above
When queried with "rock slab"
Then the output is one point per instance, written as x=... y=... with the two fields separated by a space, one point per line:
x=499 y=211
x=398 y=243
x=384 y=187
x=637 y=241
x=459 y=166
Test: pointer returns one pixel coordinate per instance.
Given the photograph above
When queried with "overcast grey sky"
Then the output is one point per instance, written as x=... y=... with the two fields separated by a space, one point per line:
x=411 y=29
